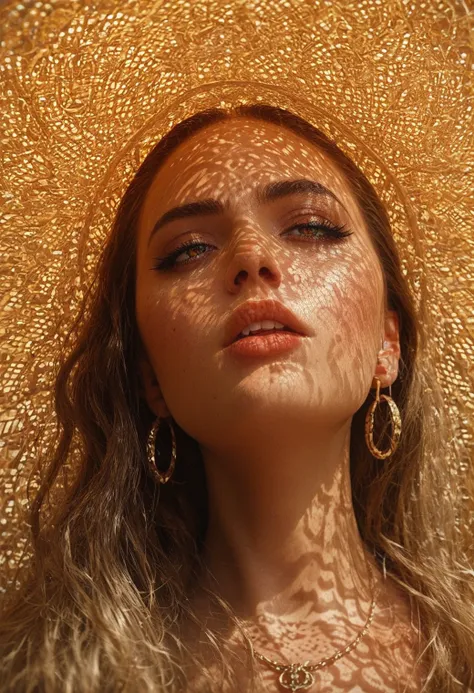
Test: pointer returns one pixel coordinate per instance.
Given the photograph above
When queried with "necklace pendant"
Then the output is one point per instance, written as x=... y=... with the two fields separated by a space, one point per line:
x=295 y=676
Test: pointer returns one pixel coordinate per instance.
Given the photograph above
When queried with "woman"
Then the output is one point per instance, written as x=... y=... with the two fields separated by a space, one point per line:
x=233 y=506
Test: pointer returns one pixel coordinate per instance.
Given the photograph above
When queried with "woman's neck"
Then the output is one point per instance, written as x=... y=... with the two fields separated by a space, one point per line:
x=282 y=537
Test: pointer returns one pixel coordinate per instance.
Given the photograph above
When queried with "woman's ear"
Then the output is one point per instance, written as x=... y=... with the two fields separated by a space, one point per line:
x=149 y=388
x=389 y=354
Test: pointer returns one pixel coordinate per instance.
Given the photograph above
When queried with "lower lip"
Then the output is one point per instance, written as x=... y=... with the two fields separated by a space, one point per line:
x=265 y=344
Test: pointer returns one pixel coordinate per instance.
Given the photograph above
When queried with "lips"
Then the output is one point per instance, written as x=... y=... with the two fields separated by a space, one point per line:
x=285 y=328
x=257 y=311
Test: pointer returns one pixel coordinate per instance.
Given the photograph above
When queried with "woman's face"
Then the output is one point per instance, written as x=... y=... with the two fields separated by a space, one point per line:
x=250 y=252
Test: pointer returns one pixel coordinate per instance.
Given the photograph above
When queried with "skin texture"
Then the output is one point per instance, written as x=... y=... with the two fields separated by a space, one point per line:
x=282 y=543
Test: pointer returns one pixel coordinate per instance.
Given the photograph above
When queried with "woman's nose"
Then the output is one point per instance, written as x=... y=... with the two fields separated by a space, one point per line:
x=252 y=263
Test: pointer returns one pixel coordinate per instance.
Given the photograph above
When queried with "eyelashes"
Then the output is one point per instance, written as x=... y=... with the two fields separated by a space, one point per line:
x=326 y=230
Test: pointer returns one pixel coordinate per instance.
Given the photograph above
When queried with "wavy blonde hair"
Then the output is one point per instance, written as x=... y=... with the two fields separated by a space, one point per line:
x=101 y=605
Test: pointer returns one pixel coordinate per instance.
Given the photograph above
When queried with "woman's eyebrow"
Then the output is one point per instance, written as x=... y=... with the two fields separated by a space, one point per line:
x=269 y=193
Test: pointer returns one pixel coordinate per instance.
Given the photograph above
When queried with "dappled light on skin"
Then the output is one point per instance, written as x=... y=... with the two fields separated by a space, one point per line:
x=274 y=431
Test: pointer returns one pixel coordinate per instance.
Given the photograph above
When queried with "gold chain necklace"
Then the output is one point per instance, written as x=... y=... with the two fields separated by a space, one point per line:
x=294 y=677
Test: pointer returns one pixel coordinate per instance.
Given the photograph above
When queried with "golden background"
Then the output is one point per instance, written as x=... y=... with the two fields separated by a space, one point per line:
x=89 y=87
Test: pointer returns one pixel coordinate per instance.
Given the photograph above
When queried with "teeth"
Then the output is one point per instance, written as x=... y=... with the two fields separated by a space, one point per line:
x=264 y=325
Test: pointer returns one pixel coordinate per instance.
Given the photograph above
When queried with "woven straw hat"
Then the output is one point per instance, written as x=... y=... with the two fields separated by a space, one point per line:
x=87 y=90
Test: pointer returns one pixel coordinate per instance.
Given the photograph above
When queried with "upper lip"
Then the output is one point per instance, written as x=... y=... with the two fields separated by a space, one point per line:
x=256 y=311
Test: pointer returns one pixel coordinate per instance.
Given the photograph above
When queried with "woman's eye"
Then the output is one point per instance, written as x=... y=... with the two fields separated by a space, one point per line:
x=169 y=261
x=323 y=229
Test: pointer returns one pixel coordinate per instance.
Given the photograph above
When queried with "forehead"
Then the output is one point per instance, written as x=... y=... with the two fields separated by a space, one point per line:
x=228 y=160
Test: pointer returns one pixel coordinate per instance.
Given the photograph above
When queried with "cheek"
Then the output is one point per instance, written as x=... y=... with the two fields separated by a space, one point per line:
x=352 y=303
x=349 y=318
x=168 y=326
x=180 y=349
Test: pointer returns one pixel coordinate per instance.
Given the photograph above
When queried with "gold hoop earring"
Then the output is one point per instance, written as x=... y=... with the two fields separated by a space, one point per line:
x=161 y=478
x=369 y=424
